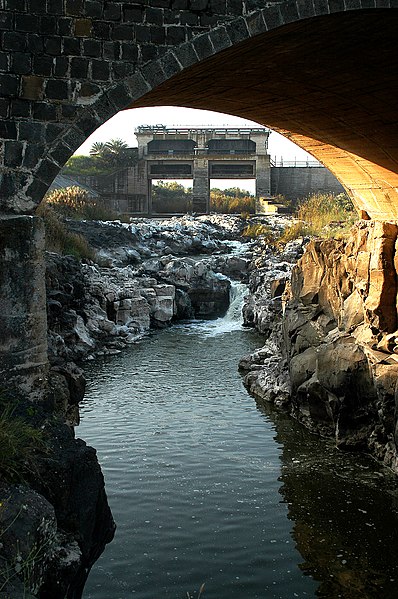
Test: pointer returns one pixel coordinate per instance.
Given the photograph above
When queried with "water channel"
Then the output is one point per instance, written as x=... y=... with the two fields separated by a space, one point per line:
x=209 y=488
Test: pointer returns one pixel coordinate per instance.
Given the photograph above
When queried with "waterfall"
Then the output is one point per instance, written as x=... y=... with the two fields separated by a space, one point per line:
x=236 y=297
x=232 y=321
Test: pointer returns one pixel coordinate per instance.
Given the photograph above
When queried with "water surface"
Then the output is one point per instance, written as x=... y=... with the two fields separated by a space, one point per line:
x=207 y=487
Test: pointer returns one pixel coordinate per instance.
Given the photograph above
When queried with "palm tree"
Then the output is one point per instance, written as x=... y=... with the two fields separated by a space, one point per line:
x=98 y=149
x=116 y=146
x=114 y=153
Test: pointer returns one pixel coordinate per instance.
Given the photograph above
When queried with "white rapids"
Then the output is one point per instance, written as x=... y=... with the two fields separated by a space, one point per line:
x=232 y=321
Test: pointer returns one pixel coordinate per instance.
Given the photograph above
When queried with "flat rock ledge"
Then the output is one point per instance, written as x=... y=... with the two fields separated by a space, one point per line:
x=331 y=354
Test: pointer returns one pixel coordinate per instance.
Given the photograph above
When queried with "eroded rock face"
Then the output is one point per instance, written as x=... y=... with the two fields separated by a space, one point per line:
x=208 y=292
x=70 y=478
x=347 y=291
x=338 y=341
x=147 y=275
x=28 y=537
x=122 y=244
x=54 y=519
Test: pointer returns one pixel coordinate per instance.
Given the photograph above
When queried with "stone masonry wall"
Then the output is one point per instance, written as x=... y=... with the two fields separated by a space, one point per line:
x=23 y=324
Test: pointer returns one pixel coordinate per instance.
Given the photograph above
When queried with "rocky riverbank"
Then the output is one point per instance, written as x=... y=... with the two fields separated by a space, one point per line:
x=55 y=520
x=330 y=359
x=147 y=275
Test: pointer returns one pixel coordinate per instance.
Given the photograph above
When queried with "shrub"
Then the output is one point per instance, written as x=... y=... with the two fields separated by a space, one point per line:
x=223 y=202
x=171 y=196
x=321 y=215
x=254 y=230
x=77 y=246
x=69 y=201
x=75 y=202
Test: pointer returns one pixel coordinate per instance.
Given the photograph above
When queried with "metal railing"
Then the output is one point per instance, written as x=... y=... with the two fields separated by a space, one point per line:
x=295 y=163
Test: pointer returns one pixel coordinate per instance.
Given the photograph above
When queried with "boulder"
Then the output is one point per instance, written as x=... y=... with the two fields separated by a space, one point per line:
x=209 y=296
x=28 y=531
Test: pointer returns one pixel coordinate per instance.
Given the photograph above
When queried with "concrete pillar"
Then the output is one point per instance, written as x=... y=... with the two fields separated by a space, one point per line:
x=263 y=175
x=138 y=185
x=149 y=199
x=201 y=185
x=23 y=318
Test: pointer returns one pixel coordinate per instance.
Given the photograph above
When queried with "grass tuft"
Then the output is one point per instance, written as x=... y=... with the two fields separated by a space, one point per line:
x=59 y=239
x=19 y=442
x=75 y=202
x=254 y=230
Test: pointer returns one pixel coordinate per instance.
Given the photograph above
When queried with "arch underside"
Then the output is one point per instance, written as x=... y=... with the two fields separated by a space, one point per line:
x=328 y=83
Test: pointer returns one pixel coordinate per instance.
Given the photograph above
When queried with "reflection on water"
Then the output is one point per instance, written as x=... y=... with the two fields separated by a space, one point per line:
x=194 y=471
x=345 y=513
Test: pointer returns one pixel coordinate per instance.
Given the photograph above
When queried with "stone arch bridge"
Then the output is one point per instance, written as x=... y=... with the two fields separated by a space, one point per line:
x=321 y=72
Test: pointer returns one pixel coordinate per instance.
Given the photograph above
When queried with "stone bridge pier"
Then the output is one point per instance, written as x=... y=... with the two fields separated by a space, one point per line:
x=321 y=72
x=23 y=321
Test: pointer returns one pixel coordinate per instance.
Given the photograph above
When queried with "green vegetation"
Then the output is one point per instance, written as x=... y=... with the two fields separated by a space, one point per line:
x=19 y=442
x=231 y=201
x=83 y=165
x=68 y=201
x=53 y=209
x=60 y=240
x=174 y=197
x=254 y=230
x=112 y=154
x=24 y=567
x=321 y=215
x=75 y=202
x=171 y=197
x=105 y=158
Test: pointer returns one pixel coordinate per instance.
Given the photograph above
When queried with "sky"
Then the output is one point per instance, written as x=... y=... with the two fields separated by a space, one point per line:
x=122 y=126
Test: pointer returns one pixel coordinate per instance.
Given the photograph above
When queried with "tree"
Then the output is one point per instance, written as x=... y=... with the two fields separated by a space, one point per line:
x=171 y=196
x=98 y=149
x=237 y=192
x=105 y=158
x=113 y=152
x=116 y=146
x=83 y=165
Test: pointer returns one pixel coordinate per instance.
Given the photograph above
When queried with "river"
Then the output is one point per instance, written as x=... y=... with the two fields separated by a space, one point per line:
x=208 y=488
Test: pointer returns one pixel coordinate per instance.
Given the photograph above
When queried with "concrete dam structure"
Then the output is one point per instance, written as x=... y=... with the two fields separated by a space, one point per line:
x=198 y=155
x=202 y=154
x=306 y=69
